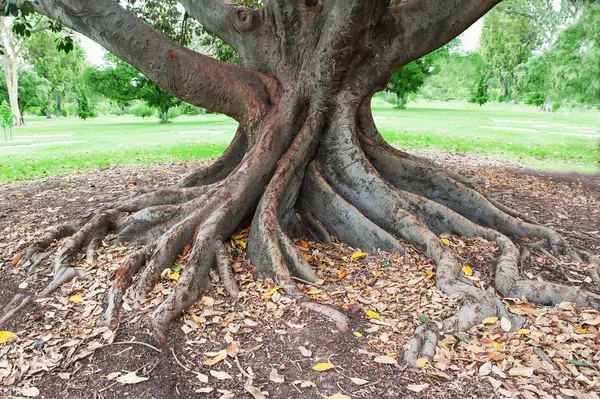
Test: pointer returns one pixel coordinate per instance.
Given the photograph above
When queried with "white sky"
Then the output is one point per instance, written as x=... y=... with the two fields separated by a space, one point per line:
x=95 y=52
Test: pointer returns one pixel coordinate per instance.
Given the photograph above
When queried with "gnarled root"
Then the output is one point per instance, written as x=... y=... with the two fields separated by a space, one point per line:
x=321 y=172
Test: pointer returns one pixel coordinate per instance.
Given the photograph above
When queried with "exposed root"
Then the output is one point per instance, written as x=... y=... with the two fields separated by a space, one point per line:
x=222 y=167
x=18 y=302
x=122 y=281
x=225 y=271
x=37 y=248
x=341 y=218
x=270 y=249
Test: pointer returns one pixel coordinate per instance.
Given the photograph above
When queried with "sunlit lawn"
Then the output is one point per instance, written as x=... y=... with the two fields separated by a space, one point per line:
x=566 y=141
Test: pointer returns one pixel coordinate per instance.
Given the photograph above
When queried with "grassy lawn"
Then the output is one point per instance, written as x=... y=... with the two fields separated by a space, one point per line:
x=566 y=141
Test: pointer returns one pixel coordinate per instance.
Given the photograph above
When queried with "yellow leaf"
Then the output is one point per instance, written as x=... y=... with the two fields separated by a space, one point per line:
x=323 y=367
x=497 y=345
x=17 y=259
x=246 y=230
x=580 y=330
x=523 y=331
x=242 y=244
x=270 y=292
x=372 y=315
x=446 y=241
x=430 y=276
x=76 y=299
x=467 y=270
x=358 y=255
x=357 y=334
x=341 y=273
x=421 y=362
x=18 y=195
x=7 y=336
x=174 y=276
x=215 y=359
x=239 y=236
x=489 y=320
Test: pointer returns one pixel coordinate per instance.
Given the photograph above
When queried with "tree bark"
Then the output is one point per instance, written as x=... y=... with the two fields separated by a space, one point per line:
x=10 y=59
x=307 y=159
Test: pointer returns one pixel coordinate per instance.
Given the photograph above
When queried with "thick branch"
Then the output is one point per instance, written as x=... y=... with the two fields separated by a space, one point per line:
x=200 y=80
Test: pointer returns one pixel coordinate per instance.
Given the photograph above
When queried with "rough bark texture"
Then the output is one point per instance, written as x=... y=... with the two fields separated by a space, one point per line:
x=307 y=158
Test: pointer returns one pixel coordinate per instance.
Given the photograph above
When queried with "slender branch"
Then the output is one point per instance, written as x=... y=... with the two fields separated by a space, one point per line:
x=200 y=80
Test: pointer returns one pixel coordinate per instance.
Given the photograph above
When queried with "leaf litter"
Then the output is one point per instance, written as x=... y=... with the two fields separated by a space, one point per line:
x=250 y=346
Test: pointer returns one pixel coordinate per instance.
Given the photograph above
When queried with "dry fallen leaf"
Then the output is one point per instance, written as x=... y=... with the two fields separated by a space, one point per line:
x=467 y=270
x=385 y=360
x=485 y=369
x=521 y=371
x=130 y=378
x=220 y=356
x=276 y=377
x=490 y=320
x=421 y=362
x=417 y=388
x=76 y=299
x=174 y=276
x=204 y=390
x=323 y=367
x=30 y=392
x=338 y=396
x=357 y=334
x=305 y=352
x=268 y=294
x=255 y=392
x=358 y=255
x=17 y=259
x=505 y=324
x=233 y=349
x=220 y=375
x=7 y=336
x=304 y=383
x=359 y=381
x=372 y=315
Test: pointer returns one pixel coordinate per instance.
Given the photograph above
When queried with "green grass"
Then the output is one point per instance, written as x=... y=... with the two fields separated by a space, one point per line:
x=566 y=141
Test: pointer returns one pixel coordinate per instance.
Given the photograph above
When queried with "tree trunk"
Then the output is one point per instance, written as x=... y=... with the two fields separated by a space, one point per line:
x=11 y=65
x=307 y=160
x=506 y=91
x=75 y=101
x=57 y=97
x=400 y=101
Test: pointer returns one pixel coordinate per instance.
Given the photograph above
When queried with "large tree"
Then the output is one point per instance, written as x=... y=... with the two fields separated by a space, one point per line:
x=307 y=158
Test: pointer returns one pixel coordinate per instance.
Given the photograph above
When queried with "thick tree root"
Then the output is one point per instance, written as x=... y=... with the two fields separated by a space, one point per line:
x=323 y=171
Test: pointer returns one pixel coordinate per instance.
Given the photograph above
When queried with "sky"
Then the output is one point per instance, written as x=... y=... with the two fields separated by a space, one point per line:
x=95 y=53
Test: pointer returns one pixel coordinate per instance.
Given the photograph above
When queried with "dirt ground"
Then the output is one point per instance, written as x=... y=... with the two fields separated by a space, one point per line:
x=265 y=344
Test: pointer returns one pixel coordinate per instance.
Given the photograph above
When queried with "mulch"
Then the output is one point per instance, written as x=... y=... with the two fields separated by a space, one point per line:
x=264 y=343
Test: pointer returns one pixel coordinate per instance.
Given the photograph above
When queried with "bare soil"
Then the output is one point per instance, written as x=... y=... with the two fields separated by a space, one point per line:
x=59 y=351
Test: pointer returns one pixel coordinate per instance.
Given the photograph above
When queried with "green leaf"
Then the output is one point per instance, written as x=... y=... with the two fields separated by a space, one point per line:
x=463 y=337
x=579 y=363
x=26 y=8
x=176 y=268
x=423 y=318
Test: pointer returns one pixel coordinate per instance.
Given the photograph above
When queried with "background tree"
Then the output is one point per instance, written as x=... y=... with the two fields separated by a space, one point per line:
x=11 y=47
x=409 y=78
x=457 y=77
x=507 y=41
x=480 y=95
x=307 y=158
x=6 y=119
x=59 y=68
x=85 y=110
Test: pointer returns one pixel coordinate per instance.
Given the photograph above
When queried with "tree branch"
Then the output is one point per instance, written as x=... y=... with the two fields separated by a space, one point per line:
x=413 y=29
x=421 y=26
x=200 y=80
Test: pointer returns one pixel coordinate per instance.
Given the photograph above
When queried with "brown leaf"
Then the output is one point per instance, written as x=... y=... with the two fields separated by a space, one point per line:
x=17 y=259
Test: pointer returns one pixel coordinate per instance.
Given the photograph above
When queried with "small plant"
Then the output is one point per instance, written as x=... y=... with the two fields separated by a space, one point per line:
x=7 y=119
x=480 y=95
x=142 y=110
x=85 y=111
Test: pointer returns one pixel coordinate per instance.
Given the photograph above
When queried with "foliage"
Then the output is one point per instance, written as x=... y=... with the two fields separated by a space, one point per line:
x=189 y=109
x=6 y=119
x=480 y=96
x=457 y=77
x=142 y=110
x=32 y=89
x=85 y=110
x=409 y=78
x=116 y=82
